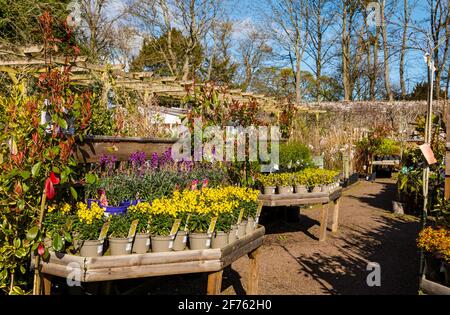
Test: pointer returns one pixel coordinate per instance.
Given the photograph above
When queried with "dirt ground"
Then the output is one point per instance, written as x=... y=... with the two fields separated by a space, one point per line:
x=294 y=261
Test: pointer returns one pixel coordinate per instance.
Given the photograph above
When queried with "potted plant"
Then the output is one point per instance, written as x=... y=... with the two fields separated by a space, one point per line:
x=163 y=215
x=285 y=183
x=87 y=226
x=221 y=237
x=58 y=224
x=198 y=226
x=313 y=180
x=119 y=242
x=140 y=212
x=300 y=183
x=269 y=183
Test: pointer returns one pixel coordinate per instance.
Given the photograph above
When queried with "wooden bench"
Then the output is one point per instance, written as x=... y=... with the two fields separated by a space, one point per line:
x=108 y=268
x=324 y=198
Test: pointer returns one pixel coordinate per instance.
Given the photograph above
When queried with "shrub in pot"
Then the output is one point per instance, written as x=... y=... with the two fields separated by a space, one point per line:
x=269 y=183
x=119 y=242
x=87 y=225
x=140 y=212
x=285 y=183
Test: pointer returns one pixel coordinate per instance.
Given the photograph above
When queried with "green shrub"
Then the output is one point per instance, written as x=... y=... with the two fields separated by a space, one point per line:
x=294 y=156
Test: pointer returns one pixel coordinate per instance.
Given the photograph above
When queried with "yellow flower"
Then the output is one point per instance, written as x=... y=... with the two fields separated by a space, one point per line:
x=51 y=208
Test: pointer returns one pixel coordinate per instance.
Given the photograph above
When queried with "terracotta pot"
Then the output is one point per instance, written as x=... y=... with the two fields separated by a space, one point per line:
x=219 y=240
x=301 y=189
x=161 y=244
x=285 y=190
x=141 y=244
x=316 y=189
x=250 y=226
x=120 y=246
x=232 y=237
x=199 y=241
x=180 y=241
x=92 y=248
x=269 y=190
x=242 y=229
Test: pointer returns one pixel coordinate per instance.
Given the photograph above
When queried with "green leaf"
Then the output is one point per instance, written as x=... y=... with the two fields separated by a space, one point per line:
x=74 y=193
x=17 y=243
x=68 y=237
x=25 y=174
x=32 y=233
x=16 y=291
x=63 y=123
x=91 y=178
x=57 y=243
x=23 y=270
x=20 y=253
x=35 y=169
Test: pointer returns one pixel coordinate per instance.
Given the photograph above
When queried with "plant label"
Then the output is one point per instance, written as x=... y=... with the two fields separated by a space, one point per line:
x=128 y=248
x=185 y=239
x=241 y=214
x=104 y=231
x=258 y=213
x=133 y=228
x=187 y=222
x=99 y=249
x=208 y=242
x=212 y=226
x=171 y=244
x=428 y=153
x=175 y=227
x=147 y=243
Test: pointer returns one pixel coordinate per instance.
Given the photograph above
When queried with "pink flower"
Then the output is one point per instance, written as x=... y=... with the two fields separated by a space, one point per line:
x=194 y=184
x=205 y=183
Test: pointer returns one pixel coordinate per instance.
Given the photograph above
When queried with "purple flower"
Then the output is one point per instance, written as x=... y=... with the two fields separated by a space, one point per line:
x=154 y=162
x=108 y=161
x=138 y=158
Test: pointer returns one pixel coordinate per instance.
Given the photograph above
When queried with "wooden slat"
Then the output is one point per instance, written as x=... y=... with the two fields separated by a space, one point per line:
x=434 y=288
x=138 y=260
x=152 y=270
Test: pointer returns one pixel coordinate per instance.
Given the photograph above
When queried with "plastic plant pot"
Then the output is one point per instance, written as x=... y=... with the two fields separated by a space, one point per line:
x=199 y=241
x=141 y=244
x=180 y=241
x=219 y=240
x=91 y=248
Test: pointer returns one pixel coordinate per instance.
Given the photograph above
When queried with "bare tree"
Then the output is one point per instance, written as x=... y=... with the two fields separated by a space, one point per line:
x=254 y=50
x=289 y=19
x=321 y=43
x=101 y=20
x=406 y=18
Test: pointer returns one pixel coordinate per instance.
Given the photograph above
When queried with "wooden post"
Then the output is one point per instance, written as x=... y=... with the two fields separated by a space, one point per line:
x=253 y=276
x=215 y=283
x=47 y=284
x=324 y=222
x=334 y=226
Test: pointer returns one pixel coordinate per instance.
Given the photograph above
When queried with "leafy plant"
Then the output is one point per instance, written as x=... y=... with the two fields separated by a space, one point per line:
x=119 y=226
x=294 y=156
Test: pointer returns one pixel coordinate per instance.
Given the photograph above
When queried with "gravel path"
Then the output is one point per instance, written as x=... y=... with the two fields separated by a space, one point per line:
x=294 y=261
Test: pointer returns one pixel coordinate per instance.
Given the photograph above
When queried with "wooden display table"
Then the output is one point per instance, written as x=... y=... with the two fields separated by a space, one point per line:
x=107 y=268
x=326 y=199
